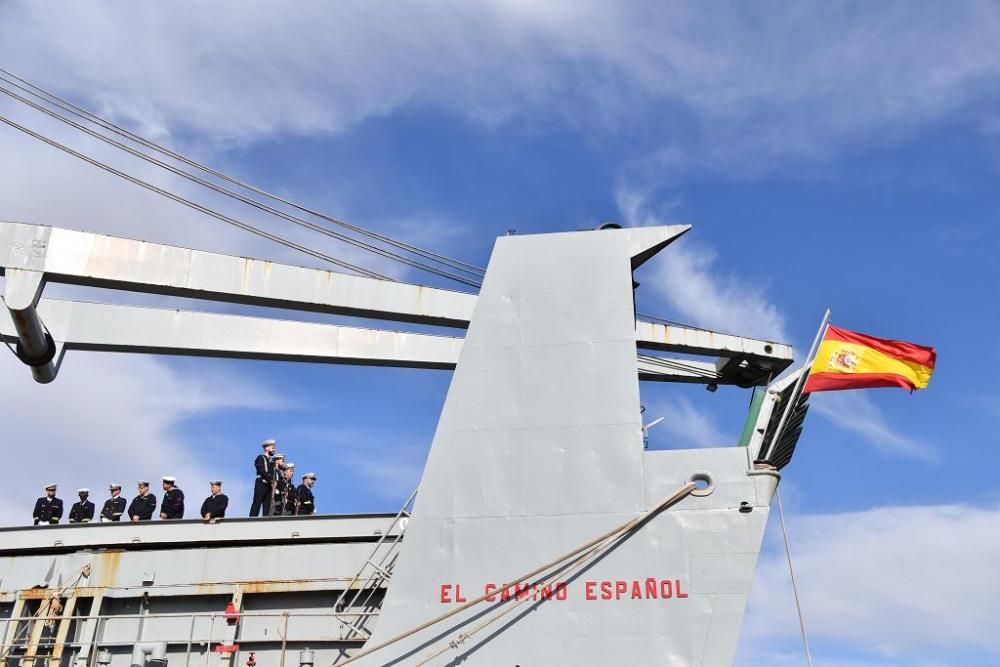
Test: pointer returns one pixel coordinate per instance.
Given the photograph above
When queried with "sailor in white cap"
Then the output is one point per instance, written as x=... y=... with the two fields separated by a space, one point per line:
x=172 y=506
x=263 y=487
x=279 y=486
x=215 y=505
x=307 y=504
x=48 y=508
x=83 y=511
x=143 y=505
x=114 y=506
x=291 y=497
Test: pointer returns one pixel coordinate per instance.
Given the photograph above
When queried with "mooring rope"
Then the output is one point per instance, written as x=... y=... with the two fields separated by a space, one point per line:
x=589 y=547
x=795 y=587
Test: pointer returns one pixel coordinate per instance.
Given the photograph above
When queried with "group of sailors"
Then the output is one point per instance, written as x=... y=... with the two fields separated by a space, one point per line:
x=274 y=489
x=275 y=492
x=49 y=508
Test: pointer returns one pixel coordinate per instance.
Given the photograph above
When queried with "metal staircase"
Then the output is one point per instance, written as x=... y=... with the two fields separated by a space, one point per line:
x=360 y=600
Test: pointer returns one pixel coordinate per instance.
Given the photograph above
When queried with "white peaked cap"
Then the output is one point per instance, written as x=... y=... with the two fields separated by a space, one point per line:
x=114 y=485
x=272 y=441
x=170 y=479
x=51 y=486
x=83 y=490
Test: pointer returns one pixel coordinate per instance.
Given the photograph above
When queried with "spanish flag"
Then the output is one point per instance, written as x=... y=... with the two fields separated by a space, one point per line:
x=849 y=360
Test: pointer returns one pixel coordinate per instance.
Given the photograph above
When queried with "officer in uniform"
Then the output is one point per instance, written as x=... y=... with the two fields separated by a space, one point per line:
x=48 y=508
x=215 y=505
x=279 y=486
x=143 y=505
x=172 y=506
x=291 y=499
x=114 y=506
x=307 y=505
x=83 y=511
x=262 y=491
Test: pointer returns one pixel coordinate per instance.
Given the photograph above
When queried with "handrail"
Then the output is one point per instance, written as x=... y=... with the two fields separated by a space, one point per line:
x=380 y=572
x=194 y=642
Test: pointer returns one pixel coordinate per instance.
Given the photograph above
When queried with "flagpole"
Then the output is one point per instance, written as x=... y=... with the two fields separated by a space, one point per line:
x=797 y=390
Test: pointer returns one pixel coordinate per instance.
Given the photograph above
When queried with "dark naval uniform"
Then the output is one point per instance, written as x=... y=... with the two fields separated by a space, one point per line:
x=113 y=509
x=264 y=466
x=173 y=504
x=142 y=507
x=291 y=499
x=215 y=506
x=81 y=512
x=47 y=510
x=280 y=489
x=307 y=504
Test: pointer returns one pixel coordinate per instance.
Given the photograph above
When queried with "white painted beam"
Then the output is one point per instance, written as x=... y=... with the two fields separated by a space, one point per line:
x=667 y=338
x=84 y=258
x=112 y=328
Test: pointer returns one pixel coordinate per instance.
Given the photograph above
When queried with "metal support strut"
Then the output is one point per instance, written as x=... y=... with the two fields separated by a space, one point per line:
x=35 y=346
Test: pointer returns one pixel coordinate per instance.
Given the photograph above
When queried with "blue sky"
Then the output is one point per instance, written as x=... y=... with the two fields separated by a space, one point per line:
x=838 y=155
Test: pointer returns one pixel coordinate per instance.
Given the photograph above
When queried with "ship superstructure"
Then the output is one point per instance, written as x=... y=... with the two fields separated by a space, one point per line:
x=543 y=531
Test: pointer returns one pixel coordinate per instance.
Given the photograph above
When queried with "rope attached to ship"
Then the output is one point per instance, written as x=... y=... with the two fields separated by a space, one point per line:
x=576 y=559
x=43 y=613
x=795 y=586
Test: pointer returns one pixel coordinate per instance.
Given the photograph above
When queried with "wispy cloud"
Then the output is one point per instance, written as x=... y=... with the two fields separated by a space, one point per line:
x=795 y=658
x=909 y=585
x=686 y=424
x=695 y=290
x=592 y=64
x=113 y=418
x=688 y=280
x=386 y=463
x=855 y=412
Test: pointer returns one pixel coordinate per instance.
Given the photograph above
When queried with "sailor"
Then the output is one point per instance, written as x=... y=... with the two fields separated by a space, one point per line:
x=83 y=511
x=143 y=505
x=291 y=499
x=48 y=508
x=172 y=506
x=262 y=490
x=307 y=504
x=278 y=486
x=114 y=506
x=215 y=505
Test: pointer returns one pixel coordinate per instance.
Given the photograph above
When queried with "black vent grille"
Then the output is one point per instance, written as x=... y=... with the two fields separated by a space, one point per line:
x=781 y=452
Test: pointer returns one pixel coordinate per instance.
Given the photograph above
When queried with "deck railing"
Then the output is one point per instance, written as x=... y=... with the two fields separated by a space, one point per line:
x=34 y=640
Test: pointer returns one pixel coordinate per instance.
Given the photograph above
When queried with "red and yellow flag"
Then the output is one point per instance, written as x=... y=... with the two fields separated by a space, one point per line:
x=849 y=360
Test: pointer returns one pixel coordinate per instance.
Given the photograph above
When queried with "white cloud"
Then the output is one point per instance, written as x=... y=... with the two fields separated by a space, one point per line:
x=385 y=463
x=693 y=290
x=686 y=279
x=114 y=418
x=755 y=84
x=774 y=658
x=911 y=585
x=686 y=425
x=854 y=411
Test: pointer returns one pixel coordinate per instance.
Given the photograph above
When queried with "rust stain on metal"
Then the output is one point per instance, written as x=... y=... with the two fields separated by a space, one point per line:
x=105 y=568
x=245 y=274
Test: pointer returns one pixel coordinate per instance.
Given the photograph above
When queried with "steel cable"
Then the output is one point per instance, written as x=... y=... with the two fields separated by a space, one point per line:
x=194 y=205
x=80 y=112
x=242 y=198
